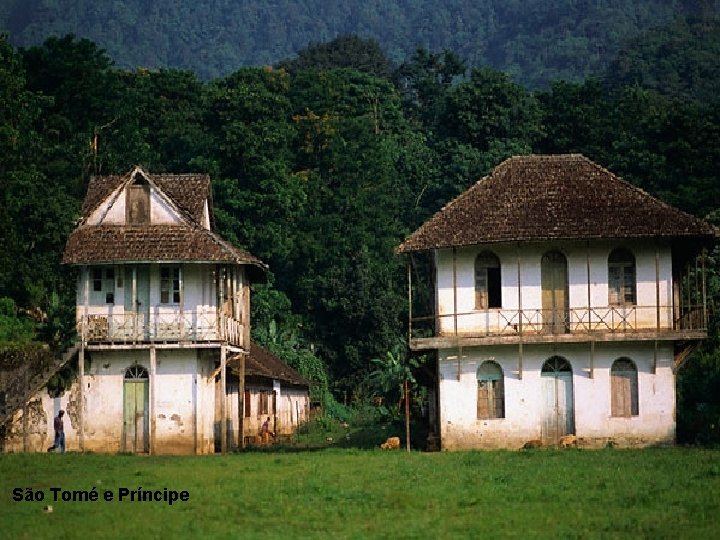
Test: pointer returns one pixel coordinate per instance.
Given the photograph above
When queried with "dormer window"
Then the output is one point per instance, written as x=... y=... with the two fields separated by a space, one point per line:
x=137 y=202
x=621 y=278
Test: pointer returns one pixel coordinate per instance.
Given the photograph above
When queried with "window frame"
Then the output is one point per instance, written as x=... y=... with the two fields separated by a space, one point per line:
x=170 y=285
x=102 y=287
x=622 y=278
x=488 y=281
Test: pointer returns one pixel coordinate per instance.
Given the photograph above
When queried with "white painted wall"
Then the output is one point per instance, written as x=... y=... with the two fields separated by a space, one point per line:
x=183 y=406
x=112 y=210
x=594 y=425
x=199 y=307
x=529 y=256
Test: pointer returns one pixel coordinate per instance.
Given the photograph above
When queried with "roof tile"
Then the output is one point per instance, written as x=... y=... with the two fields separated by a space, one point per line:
x=552 y=197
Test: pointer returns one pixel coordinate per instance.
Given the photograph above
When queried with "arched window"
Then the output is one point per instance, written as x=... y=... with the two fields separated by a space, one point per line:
x=490 y=391
x=487 y=281
x=136 y=372
x=624 y=388
x=621 y=277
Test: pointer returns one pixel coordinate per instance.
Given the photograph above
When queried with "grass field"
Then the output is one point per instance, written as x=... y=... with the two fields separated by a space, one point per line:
x=336 y=493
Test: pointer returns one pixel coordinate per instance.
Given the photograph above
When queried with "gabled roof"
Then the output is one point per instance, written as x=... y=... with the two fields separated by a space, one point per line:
x=187 y=241
x=187 y=191
x=547 y=197
x=263 y=363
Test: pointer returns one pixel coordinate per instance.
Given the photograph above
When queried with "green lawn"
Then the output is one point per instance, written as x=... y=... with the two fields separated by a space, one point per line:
x=658 y=493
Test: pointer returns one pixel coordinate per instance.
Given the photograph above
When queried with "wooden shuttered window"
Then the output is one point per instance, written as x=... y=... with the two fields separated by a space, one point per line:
x=263 y=407
x=490 y=391
x=488 y=290
x=624 y=389
x=246 y=406
x=621 y=278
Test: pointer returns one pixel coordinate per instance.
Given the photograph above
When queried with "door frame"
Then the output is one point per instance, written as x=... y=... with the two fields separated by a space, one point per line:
x=558 y=413
x=136 y=376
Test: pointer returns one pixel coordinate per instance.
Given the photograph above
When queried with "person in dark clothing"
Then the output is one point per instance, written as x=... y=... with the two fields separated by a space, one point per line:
x=58 y=424
x=265 y=431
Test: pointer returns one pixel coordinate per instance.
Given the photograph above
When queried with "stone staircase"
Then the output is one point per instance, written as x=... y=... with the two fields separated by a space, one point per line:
x=22 y=383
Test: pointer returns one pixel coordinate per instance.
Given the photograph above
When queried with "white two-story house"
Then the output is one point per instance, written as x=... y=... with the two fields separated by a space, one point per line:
x=163 y=305
x=563 y=301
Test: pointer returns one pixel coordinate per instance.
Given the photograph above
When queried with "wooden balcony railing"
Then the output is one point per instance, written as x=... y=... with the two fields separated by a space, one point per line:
x=195 y=326
x=583 y=320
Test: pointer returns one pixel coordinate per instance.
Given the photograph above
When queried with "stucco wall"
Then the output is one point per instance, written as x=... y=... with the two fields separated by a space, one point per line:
x=578 y=255
x=182 y=415
x=594 y=425
x=42 y=409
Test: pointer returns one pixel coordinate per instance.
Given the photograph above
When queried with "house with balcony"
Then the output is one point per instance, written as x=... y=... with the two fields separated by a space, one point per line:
x=558 y=300
x=163 y=318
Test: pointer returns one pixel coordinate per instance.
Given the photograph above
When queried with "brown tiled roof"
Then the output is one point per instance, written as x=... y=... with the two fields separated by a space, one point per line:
x=187 y=191
x=95 y=244
x=263 y=363
x=552 y=197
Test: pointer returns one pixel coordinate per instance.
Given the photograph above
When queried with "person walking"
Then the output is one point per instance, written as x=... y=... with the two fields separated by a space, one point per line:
x=59 y=425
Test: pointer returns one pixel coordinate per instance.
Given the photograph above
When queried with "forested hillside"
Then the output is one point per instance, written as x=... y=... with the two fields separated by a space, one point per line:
x=321 y=174
x=534 y=40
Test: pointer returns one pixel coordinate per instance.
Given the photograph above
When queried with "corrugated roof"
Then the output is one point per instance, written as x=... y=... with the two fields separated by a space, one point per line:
x=544 y=197
x=263 y=363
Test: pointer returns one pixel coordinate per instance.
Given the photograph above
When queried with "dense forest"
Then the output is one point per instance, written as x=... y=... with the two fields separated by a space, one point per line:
x=321 y=168
x=534 y=40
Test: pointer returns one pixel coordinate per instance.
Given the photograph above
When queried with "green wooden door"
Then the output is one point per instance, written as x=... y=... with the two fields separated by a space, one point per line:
x=554 y=282
x=135 y=410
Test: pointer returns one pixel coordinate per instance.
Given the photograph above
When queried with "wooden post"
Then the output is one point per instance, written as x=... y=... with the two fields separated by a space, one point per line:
x=81 y=396
x=221 y=302
x=135 y=307
x=520 y=317
x=223 y=402
x=589 y=296
x=246 y=313
x=454 y=261
x=181 y=307
x=151 y=397
x=657 y=290
x=241 y=400
x=407 y=415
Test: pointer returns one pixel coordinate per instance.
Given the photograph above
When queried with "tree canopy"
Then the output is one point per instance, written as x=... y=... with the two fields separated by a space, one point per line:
x=320 y=172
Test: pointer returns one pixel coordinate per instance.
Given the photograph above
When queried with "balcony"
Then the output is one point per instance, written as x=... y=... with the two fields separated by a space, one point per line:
x=139 y=328
x=607 y=323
